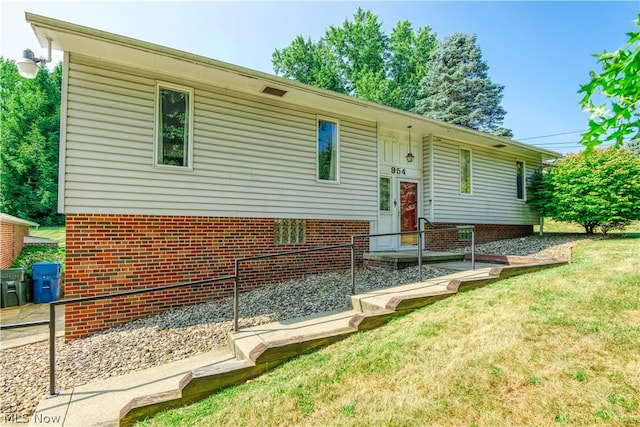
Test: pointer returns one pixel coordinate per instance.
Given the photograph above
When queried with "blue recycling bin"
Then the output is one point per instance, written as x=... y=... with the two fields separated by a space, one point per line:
x=46 y=281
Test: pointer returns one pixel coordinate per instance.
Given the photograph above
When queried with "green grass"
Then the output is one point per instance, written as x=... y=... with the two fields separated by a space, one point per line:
x=556 y=347
x=55 y=233
x=551 y=226
x=32 y=254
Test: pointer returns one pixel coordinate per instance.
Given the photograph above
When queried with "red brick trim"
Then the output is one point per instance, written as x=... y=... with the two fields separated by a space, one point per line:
x=484 y=233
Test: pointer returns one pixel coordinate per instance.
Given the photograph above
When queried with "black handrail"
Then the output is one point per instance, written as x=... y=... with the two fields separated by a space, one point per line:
x=24 y=325
x=236 y=286
x=52 y=317
x=235 y=277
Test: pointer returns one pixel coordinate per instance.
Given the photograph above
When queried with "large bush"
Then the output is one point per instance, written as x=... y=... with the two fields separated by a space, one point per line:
x=598 y=189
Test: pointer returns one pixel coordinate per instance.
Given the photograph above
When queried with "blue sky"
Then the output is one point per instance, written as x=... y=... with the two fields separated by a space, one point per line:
x=540 y=51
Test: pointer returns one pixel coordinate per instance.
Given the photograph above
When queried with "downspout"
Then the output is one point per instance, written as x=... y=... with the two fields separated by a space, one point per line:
x=62 y=149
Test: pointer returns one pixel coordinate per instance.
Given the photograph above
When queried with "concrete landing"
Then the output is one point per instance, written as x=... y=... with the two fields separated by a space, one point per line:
x=253 y=351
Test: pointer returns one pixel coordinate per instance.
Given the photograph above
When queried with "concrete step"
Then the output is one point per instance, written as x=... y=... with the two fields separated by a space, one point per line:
x=123 y=400
x=281 y=340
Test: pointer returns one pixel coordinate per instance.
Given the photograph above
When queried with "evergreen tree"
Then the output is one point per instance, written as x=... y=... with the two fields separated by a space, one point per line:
x=457 y=89
x=29 y=135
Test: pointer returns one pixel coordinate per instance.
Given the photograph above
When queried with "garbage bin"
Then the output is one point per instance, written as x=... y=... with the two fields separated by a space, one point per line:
x=14 y=289
x=46 y=281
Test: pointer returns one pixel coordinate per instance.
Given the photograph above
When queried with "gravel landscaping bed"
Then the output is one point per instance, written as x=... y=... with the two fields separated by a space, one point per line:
x=185 y=332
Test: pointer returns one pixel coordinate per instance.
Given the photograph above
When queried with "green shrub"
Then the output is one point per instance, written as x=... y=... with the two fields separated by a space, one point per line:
x=33 y=254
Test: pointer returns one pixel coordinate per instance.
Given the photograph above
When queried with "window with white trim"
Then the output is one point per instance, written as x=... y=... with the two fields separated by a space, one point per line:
x=174 y=126
x=328 y=150
x=520 y=180
x=385 y=194
x=465 y=171
x=288 y=231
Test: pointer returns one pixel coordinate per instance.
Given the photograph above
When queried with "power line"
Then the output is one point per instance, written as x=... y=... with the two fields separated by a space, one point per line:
x=555 y=134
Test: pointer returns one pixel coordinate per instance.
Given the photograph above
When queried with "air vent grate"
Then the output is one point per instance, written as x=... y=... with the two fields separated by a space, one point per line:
x=273 y=91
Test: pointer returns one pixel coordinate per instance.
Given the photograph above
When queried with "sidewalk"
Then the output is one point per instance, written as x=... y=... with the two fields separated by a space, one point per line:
x=29 y=312
x=125 y=399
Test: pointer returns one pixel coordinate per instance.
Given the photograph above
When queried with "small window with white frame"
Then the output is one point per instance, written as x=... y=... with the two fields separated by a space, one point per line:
x=385 y=194
x=465 y=171
x=174 y=126
x=520 y=180
x=328 y=150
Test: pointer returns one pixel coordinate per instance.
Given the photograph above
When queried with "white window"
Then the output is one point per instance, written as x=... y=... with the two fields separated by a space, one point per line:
x=174 y=126
x=520 y=181
x=328 y=150
x=385 y=194
x=465 y=171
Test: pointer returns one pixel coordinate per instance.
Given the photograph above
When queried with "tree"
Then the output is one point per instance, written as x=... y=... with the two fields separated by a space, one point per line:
x=597 y=190
x=457 y=88
x=634 y=145
x=29 y=135
x=360 y=60
x=619 y=84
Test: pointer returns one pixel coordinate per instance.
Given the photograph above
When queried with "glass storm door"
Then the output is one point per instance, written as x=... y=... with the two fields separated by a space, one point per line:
x=408 y=212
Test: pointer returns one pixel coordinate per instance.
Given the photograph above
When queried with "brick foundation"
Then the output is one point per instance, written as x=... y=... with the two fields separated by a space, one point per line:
x=114 y=253
x=484 y=233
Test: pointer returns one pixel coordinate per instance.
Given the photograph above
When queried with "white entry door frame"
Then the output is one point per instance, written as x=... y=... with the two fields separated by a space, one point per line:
x=400 y=192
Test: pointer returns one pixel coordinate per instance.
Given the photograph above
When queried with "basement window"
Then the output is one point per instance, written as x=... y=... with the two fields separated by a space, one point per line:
x=288 y=231
x=464 y=234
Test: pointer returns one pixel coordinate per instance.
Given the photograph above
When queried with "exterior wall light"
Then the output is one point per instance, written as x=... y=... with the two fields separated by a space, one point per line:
x=28 y=65
x=410 y=155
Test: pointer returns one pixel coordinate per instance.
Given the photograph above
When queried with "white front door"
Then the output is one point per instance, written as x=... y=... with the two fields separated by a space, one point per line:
x=399 y=191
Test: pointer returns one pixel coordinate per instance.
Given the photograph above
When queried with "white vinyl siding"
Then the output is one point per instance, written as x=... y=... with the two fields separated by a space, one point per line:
x=251 y=157
x=494 y=193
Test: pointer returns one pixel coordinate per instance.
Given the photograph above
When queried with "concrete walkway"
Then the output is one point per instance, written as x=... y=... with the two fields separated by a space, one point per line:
x=29 y=312
x=253 y=351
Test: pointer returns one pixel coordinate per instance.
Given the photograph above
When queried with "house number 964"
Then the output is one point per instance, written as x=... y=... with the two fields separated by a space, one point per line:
x=398 y=171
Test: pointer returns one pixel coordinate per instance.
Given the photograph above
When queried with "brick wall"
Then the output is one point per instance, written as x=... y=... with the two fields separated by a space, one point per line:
x=12 y=238
x=445 y=240
x=113 y=253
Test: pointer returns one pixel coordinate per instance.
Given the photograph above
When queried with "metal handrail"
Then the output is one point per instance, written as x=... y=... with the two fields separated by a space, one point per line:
x=52 y=317
x=236 y=289
x=24 y=325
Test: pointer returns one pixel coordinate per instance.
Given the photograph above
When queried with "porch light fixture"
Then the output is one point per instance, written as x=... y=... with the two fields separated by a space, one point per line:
x=410 y=155
x=28 y=65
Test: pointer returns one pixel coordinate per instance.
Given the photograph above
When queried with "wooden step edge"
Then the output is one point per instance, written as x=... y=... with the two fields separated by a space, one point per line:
x=194 y=386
